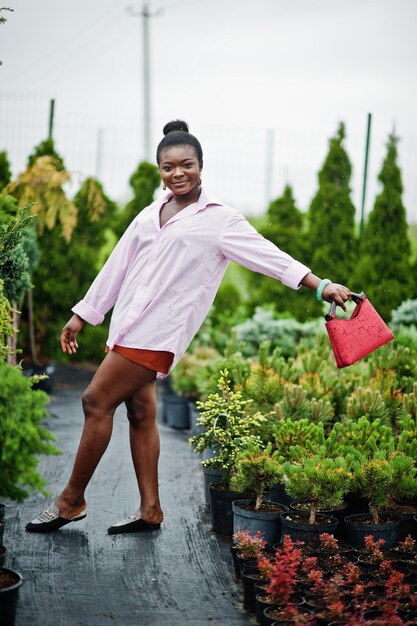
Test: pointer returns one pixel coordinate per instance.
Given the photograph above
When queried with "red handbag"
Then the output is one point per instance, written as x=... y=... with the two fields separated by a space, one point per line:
x=361 y=334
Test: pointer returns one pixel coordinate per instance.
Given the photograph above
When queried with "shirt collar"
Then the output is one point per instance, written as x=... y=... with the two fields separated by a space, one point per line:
x=204 y=200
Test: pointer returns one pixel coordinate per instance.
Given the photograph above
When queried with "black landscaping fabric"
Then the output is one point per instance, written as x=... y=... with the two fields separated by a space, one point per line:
x=79 y=575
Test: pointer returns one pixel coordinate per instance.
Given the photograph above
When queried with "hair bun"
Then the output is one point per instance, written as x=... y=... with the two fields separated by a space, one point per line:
x=175 y=125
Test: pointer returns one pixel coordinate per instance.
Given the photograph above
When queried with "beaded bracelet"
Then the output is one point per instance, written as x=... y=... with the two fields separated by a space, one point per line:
x=321 y=287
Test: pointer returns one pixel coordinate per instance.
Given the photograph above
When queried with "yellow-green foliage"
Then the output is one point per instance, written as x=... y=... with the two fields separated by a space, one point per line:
x=6 y=326
x=226 y=425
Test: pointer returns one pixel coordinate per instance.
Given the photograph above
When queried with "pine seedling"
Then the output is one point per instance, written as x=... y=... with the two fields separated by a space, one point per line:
x=319 y=480
x=256 y=469
x=374 y=479
x=364 y=436
x=368 y=403
x=288 y=433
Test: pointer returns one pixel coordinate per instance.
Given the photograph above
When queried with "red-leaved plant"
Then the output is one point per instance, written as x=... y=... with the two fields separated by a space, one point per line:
x=351 y=574
x=334 y=599
x=328 y=542
x=374 y=548
x=265 y=566
x=408 y=545
x=284 y=575
x=248 y=546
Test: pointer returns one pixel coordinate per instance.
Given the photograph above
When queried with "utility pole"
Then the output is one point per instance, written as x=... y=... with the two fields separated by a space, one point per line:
x=51 y=118
x=145 y=14
x=365 y=174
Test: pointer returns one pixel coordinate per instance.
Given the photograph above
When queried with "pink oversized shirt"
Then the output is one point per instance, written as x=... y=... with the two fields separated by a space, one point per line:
x=162 y=281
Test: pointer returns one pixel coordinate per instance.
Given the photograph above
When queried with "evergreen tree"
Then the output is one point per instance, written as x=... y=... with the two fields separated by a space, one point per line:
x=384 y=272
x=5 y=173
x=144 y=181
x=331 y=217
x=285 y=229
x=46 y=148
x=66 y=270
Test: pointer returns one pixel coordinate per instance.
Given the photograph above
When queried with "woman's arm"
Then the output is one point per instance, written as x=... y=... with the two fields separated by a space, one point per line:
x=69 y=333
x=332 y=291
x=241 y=242
x=103 y=292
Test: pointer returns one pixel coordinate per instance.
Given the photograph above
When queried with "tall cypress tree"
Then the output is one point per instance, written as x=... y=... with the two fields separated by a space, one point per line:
x=385 y=271
x=331 y=216
x=144 y=181
x=284 y=228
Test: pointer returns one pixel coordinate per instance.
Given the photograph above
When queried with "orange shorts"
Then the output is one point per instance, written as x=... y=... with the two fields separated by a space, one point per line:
x=156 y=360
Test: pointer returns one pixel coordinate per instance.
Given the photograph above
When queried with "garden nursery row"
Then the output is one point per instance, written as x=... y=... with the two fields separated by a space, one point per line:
x=312 y=473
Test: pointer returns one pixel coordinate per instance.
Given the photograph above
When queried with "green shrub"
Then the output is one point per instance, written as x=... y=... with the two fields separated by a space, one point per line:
x=22 y=437
x=404 y=315
x=226 y=427
x=256 y=469
x=282 y=333
x=321 y=481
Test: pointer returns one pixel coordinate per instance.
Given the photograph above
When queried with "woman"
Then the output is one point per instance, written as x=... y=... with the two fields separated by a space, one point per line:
x=161 y=278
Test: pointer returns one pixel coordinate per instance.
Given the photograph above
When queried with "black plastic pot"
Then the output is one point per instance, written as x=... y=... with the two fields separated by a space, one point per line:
x=245 y=563
x=250 y=578
x=277 y=493
x=339 y=514
x=193 y=415
x=296 y=525
x=274 y=622
x=266 y=522
x=177 y=411
x=9 y=595
x=358 y=526
x=356 y=504
x=221 y=508
x=261 y=605
x=2 y=510
x=236 y=566
x=2 y=556
x=408 y=525
x=211 y=476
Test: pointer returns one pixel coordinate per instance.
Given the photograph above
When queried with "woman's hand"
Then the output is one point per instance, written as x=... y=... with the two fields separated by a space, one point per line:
x=333 y=292
x=69 y=333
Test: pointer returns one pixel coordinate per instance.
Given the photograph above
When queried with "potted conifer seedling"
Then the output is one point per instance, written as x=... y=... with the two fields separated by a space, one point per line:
x=374 y=479
x=226 y=429
x=256 y=469
x=322 y=483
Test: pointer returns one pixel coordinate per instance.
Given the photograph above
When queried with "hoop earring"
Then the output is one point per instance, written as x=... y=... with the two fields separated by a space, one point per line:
x=164 y=187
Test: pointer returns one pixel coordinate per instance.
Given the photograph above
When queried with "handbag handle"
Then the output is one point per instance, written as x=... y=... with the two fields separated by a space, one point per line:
x=356 y=297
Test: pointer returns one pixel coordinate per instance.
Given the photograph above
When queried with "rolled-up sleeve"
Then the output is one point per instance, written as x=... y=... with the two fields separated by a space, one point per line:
x=241 y=242
x=103 y=292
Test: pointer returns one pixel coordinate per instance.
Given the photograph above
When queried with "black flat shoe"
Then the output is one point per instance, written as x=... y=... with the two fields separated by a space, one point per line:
x=50 y=520
x=132 y=524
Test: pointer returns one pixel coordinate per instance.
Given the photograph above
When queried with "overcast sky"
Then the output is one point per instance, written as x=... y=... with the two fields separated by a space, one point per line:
x=232 y=69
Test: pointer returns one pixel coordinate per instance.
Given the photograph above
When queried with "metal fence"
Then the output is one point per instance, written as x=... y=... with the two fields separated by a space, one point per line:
x=245 y=167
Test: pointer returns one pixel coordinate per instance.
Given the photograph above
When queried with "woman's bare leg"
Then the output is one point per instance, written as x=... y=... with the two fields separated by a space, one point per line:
x=144 y=446
x=116 y=380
